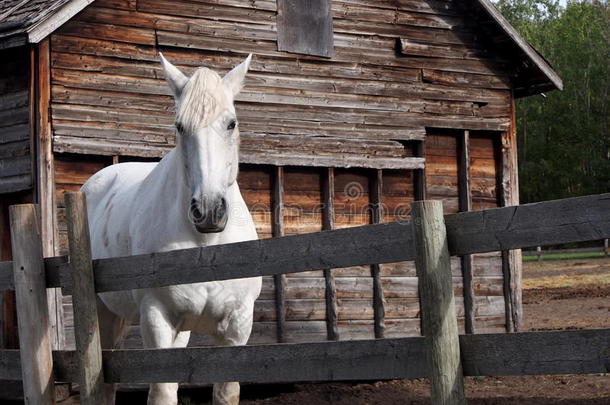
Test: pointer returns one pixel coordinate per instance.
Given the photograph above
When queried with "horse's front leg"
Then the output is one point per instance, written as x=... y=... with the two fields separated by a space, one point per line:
x=234 y=330
x=158 y=332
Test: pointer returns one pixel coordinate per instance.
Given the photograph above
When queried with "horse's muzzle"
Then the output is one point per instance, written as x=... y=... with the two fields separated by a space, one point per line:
x=209 y=218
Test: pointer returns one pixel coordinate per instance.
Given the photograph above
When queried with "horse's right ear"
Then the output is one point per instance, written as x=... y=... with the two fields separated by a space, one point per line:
x=175 y=78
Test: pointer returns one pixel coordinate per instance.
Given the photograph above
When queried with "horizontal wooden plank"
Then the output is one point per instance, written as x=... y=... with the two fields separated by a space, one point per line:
x=552 y=222
x=13 y=166
x=531 y=353
x=287 y=159
x=16 y=183
x=537 y=224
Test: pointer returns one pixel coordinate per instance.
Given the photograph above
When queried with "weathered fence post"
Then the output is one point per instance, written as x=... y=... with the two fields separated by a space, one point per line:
x=437 y=303
x=31 y=299
x=86 y=327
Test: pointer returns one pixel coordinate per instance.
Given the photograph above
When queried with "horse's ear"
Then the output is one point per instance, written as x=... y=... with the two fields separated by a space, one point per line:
x=234 y=80
x=175 y=78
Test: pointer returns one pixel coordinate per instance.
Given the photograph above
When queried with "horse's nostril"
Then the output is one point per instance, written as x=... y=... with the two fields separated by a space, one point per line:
x=223 y=202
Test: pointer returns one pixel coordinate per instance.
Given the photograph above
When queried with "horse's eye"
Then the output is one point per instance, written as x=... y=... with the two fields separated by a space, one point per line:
x=179 y=127
x=231 y=125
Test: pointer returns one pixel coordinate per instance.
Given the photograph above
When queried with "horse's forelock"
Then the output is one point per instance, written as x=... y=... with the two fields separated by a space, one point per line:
x=203 y=98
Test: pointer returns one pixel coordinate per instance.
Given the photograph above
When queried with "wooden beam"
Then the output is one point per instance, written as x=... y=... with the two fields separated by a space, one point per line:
x=278 y=231
x=465 y=204
x=511 y=259
x=546 y=223
x=377 y=218
x=419 y=178
x=531 y=353
x=277 y=159
x=328 y=217
x=8 y=320
x=45 y=184
x=437 y=303
x=525 y=47
x=86 y=324
x=32 y=314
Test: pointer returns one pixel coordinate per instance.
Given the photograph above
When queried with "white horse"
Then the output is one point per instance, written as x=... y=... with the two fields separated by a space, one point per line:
x=189 y=199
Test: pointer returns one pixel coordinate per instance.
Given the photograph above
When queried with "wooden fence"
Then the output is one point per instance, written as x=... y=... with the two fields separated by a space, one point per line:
x=546 y=223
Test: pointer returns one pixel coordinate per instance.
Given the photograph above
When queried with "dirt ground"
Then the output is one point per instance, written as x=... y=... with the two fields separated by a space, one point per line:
x=569 y=294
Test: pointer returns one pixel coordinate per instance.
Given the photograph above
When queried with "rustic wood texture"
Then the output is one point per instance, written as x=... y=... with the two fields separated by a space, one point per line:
x=15 y=148
x=437 y=303
x=305 y=28
x=532 y=353
x=106 y=78
x=465 y=204
x=377 y=218
x=278 y=231
x=328 y=188
x=565 y=221
x=45 y=184
x=511 y=258
x=32 y=314
x=86 y=324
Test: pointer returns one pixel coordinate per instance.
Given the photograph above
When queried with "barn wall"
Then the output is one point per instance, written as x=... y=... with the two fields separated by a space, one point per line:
x=375 y=99
x=109 y=96
x=15 y=156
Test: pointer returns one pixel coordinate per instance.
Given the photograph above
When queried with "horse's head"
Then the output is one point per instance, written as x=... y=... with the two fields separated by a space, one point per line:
x=207 y=139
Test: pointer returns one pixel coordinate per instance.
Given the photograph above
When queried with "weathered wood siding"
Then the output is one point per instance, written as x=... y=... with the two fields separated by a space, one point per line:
x=109 y=96
x=15 y=156
x=305 y=292
x=402 y=71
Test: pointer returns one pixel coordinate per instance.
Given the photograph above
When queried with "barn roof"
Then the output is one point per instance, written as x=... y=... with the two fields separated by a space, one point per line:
x=30 y=21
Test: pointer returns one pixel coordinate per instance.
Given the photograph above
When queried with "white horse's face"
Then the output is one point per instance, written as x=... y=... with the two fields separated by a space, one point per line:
x=208 y=139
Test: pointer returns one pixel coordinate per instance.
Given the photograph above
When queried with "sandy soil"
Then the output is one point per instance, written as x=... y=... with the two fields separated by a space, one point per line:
x=570 y=294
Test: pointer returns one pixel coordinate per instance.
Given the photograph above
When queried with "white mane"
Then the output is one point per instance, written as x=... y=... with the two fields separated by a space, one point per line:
x=202 y=99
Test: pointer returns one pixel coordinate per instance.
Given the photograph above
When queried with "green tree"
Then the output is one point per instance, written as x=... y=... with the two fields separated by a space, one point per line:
x=564 y=137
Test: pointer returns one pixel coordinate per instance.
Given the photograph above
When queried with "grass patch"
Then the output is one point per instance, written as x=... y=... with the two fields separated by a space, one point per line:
x=565 y=256
x=566 y=281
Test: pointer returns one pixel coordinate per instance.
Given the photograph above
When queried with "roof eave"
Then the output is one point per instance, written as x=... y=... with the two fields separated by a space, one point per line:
x=47 y=26
x=554 y=81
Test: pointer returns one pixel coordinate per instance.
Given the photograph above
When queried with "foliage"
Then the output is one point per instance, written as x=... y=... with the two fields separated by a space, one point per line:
x=564 y=136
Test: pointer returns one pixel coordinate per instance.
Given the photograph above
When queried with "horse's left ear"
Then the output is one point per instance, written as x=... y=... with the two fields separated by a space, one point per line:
x=234 y=80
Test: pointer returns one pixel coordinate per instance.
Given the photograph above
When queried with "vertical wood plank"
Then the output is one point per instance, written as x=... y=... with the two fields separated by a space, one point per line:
x=438 y=307
x=8 y=316
x=377 y=218
x=419 y=177
x=465 y=204
x=278 y=231
x=45 y=184
x=606 y=249
x=511 y=260
x=33 y=313
x=328 y=218
x=419 y=194
x=86 y=326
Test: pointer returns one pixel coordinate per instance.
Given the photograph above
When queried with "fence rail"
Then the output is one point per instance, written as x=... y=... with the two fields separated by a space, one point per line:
x=545 y=223
x=570 y=220
x=530 y=353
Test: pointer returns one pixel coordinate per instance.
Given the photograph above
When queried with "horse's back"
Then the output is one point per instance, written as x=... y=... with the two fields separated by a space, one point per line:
x=108 y=194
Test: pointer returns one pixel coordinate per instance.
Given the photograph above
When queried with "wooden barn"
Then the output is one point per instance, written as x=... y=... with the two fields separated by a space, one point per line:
x=352 y=110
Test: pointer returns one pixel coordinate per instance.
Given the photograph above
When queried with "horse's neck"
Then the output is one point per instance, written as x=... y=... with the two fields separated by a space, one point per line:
x=164 y=193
